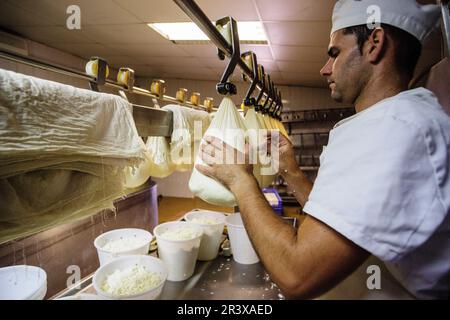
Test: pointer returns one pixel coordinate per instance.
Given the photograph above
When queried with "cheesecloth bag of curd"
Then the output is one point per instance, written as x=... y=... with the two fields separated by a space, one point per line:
x=157 y=163
x=266 y=162
x=255 y=134
x=189 y=125
x=229 y=127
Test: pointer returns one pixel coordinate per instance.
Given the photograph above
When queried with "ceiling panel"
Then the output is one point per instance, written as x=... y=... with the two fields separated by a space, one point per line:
x=301 y=54
x=173 y=61
x=53 y=34
x=149 y=50
x=202 y=50
x=213 y=63
x=12 y=15
x=298 y=33
x=295 y=10
x=241 y=10
x=153 y=10
x=168 y=11
x=125 y=33
x=92 y=12
x=269 y=65
x=262 y=51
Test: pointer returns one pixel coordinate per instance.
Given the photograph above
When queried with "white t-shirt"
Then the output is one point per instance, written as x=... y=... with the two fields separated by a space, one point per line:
x=384 y=183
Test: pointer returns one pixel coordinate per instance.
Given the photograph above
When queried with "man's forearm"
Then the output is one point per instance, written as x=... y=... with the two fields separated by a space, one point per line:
x=274 y=240
x=299 y=183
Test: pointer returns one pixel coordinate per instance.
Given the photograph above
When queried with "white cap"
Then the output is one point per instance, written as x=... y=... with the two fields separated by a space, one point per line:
x=408 y=15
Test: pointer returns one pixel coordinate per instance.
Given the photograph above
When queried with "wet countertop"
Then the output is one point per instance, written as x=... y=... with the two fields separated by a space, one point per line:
x=223 y=279
x=219 y=279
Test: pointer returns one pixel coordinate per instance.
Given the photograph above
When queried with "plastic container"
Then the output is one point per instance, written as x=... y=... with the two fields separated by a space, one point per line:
x=271 y=194
x=212 y=232
x=179 y=255
x=81 y=296
x=241 y=247
x=106 y=256
x=152 y=264
x=23 y=283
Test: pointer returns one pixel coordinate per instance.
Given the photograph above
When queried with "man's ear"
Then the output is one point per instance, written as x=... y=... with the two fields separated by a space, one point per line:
x=376 y=45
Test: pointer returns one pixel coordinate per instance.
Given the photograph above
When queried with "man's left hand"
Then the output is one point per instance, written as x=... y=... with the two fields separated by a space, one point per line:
x=223 y=162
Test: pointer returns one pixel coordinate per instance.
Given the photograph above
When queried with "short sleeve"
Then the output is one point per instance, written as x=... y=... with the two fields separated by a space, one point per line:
x=377 y=186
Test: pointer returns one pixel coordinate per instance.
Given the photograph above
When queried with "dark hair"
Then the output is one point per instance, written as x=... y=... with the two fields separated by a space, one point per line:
x=407 y=47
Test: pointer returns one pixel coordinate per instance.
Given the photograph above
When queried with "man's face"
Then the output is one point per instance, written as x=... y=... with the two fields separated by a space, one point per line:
x=345 y=70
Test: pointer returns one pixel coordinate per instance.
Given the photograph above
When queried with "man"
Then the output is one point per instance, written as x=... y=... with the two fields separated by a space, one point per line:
x=383 y=187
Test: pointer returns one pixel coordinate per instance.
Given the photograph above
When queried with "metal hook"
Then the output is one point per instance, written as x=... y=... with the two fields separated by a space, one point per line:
x=248 y=100
x=265 y=109
x=445 y=25
x=100 y=78
x=274 y=98
x=262 y=82
x=224 y=87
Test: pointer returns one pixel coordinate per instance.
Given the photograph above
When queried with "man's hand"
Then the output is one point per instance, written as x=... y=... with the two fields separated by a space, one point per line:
x=224 y=163
x=286 y=155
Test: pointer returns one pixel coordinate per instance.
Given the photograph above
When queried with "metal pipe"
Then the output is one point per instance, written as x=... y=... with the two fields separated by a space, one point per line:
x=445 y=24
x=37 y=63
x=196 y=14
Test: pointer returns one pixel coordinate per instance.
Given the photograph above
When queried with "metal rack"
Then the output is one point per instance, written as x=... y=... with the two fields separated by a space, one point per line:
x=150 y=121
x=272 y=97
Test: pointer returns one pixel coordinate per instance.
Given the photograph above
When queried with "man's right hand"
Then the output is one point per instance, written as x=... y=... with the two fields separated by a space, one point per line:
x=286 y=155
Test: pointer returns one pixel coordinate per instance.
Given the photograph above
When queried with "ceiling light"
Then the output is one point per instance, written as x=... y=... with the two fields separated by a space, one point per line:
x=249 y=32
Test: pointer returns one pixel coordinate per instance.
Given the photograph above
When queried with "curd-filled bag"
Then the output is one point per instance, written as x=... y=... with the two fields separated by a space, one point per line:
x=267 y=164
x=229 y=127
x=161 y=164
x=184 y=137
x=282 y=129
x=157 y=163
x=136 y=176
x=255 y=136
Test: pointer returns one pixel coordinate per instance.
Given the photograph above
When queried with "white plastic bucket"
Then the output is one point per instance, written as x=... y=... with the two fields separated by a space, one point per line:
x=152 y=264
x=179 y=256
x=212 y=232
x=105 y=256
x=242 y=248
x=23 y=282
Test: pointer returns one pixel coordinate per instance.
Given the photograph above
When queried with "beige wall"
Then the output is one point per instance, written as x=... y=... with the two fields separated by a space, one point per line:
x=298 y=98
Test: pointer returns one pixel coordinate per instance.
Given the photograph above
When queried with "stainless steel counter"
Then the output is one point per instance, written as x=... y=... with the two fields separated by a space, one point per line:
x=220 y=279
x=224 y=279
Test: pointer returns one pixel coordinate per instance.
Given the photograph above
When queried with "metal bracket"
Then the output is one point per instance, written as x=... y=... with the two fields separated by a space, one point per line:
x=101 y=74
x=224 y=87
x=280 y=105
x=130 y=78
x=265 y=109
x=274 y=98
x=248 y=100
x=445 y=25
x=262 y=83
